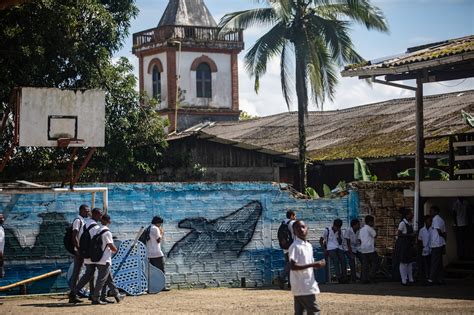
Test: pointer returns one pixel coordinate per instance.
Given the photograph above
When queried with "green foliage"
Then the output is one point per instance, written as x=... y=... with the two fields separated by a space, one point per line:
x=311 y=192
x=246 y=116
x=362 y=172
x=429 y=172
x=468 y=118
x=327 y=191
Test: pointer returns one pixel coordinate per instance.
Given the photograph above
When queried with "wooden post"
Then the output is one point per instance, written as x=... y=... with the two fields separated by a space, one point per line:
x=419 y=155
x=451 y=158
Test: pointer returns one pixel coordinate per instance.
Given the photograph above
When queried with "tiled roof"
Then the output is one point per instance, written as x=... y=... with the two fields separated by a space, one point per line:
x=376 y=130
x=187 y=13
x=453 y=50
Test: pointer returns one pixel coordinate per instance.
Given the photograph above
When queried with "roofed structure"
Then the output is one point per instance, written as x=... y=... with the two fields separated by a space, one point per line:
x=378 y=130
x=187 y=13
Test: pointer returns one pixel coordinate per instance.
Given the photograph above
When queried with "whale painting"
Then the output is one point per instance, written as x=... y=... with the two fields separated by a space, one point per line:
x=227 y=234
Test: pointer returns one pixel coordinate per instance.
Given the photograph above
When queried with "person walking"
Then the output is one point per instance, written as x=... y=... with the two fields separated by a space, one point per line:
x=153 y=245
x=405 y=247
x=332 y=243
x=77 y=225
x=285 y=238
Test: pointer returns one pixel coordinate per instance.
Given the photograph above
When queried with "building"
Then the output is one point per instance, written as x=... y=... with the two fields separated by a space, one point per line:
x=190 y=66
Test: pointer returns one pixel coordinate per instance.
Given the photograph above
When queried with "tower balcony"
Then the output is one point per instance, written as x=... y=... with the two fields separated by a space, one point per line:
x=189 y=36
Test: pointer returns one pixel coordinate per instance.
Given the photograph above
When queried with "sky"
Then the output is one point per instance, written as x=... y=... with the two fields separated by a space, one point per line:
x=411 y=23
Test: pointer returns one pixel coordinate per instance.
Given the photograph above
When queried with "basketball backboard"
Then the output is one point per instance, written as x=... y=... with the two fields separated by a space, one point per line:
x=47 y=115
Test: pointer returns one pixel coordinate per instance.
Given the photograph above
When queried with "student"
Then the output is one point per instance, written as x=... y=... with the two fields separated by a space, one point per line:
x=437 y=245
x=352 y=246
x=370 y=259
x=77 y=225
x=424 y=238
x=2 y=245
x=104 y=277
x=331 y=242
x=461 y=226
x=91 y=225
x=289 y=221
x=153 y=245
x=303 y=284
x=404 y=247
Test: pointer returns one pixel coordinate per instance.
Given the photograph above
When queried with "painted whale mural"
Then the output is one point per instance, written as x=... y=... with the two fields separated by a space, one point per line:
x=227 y=234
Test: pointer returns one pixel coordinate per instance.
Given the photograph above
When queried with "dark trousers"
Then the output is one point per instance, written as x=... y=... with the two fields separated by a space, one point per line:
x=308 y=303
x=352 y=264
x=104 y=278
x=2 y=269
x=436 y=270
x=88 y=276
x=158 y=263
x=370 y=265
x=462 y=235
x=78 y=261
x=337 y=260
x=425 y=267
x=286 y=270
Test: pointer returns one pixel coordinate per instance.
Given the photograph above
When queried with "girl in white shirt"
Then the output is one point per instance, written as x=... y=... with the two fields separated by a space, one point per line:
x=404 y=247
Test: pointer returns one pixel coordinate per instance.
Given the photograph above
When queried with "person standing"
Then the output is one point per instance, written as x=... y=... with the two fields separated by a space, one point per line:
x=77 y=225
x=303 y=283
x=461 y=226
x=352 y=247
x=424 y=238
x=437 y=245
x=153 y=245
x=285 y=238
x=331 y=242
x=404 y=247
x=370 y=259
x=2 y=245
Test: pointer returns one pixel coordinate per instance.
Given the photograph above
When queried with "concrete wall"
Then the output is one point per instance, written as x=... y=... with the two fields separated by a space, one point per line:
x=216 y=233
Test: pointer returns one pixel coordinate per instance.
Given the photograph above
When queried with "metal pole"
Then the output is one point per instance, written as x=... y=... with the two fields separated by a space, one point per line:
x=419 y=156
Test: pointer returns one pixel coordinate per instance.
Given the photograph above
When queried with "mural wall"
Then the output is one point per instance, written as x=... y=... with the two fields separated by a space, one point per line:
x=215 y=233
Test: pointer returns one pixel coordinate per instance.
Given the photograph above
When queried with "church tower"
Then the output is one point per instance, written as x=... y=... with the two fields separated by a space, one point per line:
x=189 y=67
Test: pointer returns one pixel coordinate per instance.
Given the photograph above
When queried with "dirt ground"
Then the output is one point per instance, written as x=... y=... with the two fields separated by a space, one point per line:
x=454 y=298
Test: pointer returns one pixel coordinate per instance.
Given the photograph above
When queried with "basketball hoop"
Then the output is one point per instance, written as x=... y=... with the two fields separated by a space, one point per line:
x=66 y=142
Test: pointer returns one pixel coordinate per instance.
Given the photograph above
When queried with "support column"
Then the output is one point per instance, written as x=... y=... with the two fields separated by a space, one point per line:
x=235 y=80
x=419 y=155
x=141 y=74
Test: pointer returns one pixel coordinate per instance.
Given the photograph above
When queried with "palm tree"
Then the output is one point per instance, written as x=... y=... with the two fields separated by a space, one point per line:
x=316 y=34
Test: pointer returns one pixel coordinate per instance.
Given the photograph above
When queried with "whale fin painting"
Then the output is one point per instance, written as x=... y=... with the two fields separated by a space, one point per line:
x=230 y=233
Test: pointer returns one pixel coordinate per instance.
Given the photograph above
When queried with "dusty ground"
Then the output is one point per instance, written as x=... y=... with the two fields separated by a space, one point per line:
x=455 y=298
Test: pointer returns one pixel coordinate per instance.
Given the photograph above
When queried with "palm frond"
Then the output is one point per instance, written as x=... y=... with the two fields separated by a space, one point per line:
x=285 y=76
x=248 y=18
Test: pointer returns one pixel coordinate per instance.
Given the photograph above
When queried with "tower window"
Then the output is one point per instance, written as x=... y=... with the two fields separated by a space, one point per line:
x=203 y=80
x=156 y=82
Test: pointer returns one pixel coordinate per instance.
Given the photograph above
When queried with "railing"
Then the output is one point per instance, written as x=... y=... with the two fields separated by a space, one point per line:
x=185 y=33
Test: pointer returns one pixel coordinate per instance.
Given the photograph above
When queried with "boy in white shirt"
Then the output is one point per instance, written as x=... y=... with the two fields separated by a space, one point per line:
x=153 y=245
x=424 y=238
x=332 y=243
x=303 y=284
x=351 y=248
x=437 y=245
x=77 y=225
x=370 y=259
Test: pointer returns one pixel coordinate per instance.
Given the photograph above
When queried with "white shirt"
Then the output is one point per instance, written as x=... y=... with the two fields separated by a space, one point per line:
x=460 y=208
x=106 y=239
x=367 y=239
x=437 y=240
x=152 y=246
x=93 y=231
x=302 y=281
x=402 y=227
x=77 y=226
x=290 y=227
x=2 y=239
x=424 y=237
x=352 y=237
x=331 y=239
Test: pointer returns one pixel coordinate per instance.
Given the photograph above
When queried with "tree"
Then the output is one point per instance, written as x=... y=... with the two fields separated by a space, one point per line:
x=316 y=34
x=69 y=44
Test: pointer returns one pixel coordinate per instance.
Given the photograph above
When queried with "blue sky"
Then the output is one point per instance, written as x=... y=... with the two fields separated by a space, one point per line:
x=411 y=22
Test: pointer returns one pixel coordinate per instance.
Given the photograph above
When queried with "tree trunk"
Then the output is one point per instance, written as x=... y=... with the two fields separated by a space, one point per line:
x=302 y=95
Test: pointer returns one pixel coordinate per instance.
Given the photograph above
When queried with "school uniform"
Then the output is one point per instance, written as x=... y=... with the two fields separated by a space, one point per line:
x=334 y=247
x=404 y=250
x=370 y=259
x=424 y=237
x=303 y=283
x=351 y=237
x=155 y=254
x=286 y=270
x=77 y=225
x=437 y=245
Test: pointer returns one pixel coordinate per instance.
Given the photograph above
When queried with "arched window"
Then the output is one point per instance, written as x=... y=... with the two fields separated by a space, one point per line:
x=156 y=82
x=203 y=80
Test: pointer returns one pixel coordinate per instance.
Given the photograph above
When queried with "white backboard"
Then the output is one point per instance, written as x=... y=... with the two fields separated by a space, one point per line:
x=47 y=114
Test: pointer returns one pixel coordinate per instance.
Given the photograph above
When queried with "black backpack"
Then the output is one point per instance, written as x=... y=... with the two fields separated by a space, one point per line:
x=85 y=242
x=145 y=235
x=67 y=240
x=96 y=251
x=284 y=235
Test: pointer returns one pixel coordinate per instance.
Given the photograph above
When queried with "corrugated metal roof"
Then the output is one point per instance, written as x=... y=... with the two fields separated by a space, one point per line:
x=462 y=47
x=376 y=130
x=187 y=13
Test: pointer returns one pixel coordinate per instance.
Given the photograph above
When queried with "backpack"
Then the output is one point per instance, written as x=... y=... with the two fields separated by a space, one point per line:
x=68 y=240
x=284 y=235
x=85 y=242
x=96 y=252
x=145 y=235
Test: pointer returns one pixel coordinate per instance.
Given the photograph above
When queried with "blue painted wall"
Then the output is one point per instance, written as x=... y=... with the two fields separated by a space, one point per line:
x=237 y=241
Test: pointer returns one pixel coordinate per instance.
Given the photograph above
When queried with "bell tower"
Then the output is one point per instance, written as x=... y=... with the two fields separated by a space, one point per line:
x=189 y=66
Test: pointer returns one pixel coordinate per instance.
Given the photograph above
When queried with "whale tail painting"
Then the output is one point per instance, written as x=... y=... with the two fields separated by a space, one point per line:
x=230 y=233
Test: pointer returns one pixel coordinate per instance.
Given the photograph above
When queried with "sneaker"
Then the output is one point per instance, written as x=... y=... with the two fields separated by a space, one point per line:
x=106 y=300
x=98 y=302
x=119 y=298
x=73 y=299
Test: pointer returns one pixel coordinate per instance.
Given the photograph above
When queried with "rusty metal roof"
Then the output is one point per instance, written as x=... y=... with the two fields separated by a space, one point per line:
x=187 y=13
x=415 y=58
x=378 y=130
